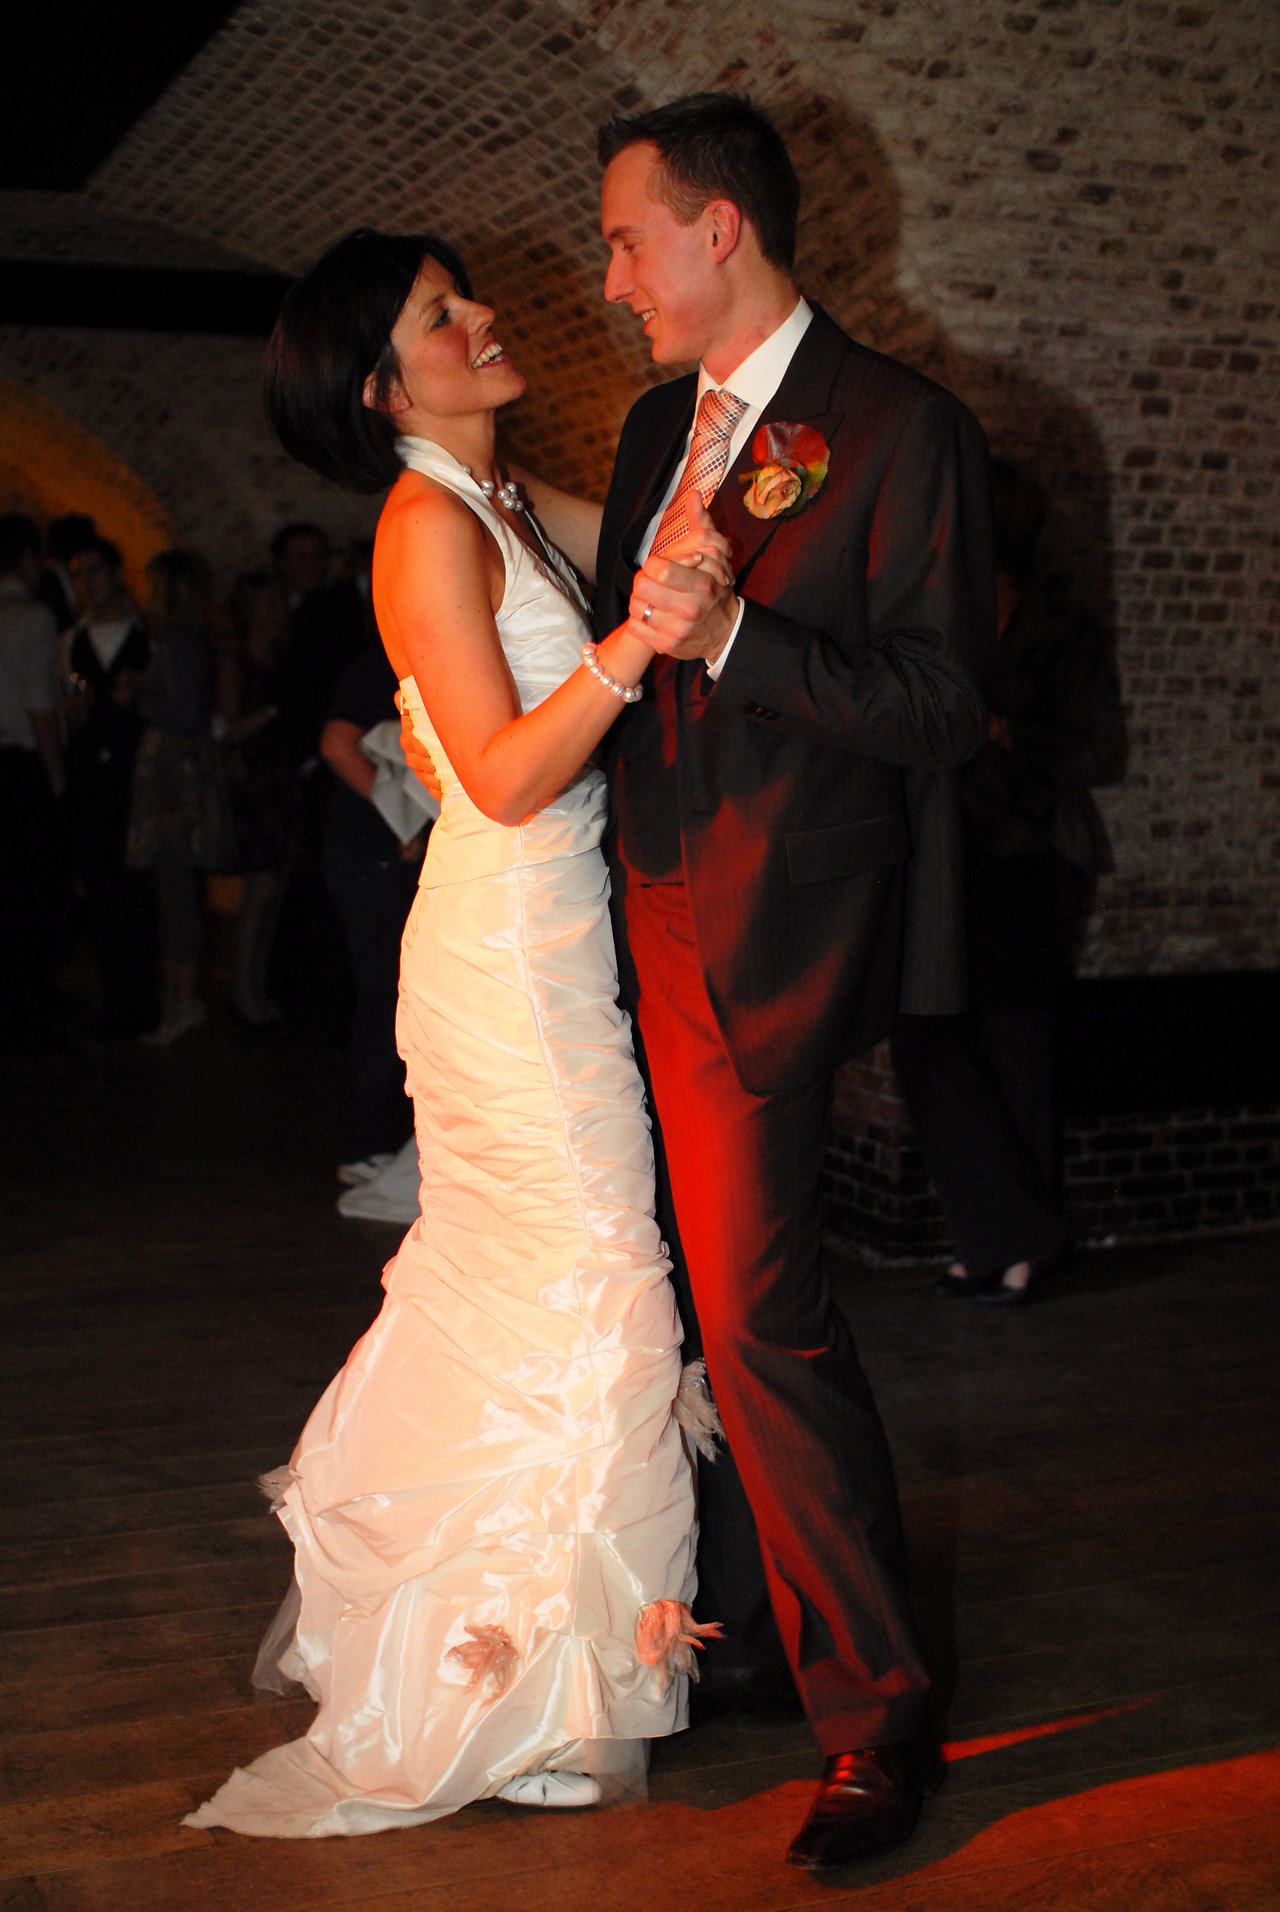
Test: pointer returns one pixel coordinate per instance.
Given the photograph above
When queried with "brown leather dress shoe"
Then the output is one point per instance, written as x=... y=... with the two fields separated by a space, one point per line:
x=867 y=1802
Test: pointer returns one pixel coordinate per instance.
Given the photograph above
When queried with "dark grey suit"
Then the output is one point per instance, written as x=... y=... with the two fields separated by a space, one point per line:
x=786 y=859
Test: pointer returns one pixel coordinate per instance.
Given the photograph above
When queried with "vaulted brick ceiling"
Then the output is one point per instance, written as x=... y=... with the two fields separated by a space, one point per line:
x=260 y=135
x=1064 y=208
x=986 y=188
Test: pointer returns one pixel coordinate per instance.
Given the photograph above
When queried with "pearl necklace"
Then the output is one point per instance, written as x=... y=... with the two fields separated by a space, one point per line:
x=508 y=495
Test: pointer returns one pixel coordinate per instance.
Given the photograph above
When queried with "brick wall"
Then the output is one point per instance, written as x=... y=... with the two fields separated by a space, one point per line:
x=1179 y=1172
x=1066 y=209
x=1127 y=1175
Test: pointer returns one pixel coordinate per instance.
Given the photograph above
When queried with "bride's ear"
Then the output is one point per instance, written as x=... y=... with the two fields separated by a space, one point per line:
x=396 y=400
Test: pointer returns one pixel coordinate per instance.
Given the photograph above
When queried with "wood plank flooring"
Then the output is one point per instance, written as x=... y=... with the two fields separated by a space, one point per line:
x=1090 y=1489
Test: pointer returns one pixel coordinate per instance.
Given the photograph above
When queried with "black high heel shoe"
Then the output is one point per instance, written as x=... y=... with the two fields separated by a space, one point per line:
x=998 y=1293
x=1041 y=1270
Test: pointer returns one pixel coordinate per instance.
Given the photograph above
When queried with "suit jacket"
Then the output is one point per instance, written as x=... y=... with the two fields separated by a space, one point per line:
x=103 y=747
x=818 y=824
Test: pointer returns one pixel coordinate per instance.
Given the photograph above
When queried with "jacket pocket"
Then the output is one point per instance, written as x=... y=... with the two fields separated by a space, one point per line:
x=847 y=849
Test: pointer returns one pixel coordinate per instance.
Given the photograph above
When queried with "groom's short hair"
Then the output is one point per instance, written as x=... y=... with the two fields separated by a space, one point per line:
x=717 y=146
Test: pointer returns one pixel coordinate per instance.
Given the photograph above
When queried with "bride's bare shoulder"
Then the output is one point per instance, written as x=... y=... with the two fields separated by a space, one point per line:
x=416 y=502
x=429 y=535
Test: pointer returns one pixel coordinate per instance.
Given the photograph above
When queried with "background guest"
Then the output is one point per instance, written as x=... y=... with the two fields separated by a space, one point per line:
x=106 y=656
x=372 y=877
x=329 y=625
x=65 y=538
x=981 y=1088
x=180 y=824
x=266 y=804
x=32 y=779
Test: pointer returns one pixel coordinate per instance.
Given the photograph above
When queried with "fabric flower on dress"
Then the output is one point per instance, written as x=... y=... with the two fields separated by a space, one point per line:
x=490 y=1659
x=276 y=1485
x=791 y=468
x=666 y=1636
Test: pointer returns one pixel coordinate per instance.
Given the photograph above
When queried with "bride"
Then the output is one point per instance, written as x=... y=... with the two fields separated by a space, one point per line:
x=492 y=1505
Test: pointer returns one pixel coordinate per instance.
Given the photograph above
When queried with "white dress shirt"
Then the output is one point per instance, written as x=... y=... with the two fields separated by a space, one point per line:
x=107 y=637
x=754 y=381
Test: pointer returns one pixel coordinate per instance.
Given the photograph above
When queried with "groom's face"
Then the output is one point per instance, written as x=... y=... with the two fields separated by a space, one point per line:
x=660 y=268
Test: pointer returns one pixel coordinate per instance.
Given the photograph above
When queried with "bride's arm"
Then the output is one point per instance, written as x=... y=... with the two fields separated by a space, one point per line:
x=437 y=579
x=570 y=522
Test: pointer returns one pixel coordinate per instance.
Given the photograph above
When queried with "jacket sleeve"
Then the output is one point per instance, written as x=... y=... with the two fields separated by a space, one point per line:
x=900 y=679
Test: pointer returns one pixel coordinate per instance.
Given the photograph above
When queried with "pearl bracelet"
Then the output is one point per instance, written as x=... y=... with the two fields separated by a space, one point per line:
x=629 y=693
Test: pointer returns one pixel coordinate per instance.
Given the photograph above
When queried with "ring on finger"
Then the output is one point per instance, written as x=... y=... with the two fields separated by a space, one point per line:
x=646 y=614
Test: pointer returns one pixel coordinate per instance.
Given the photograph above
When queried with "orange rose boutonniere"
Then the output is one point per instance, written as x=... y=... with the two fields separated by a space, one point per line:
x=791 y=468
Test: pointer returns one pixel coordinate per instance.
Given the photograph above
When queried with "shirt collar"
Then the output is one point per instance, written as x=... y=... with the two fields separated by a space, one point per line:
x=758 y=377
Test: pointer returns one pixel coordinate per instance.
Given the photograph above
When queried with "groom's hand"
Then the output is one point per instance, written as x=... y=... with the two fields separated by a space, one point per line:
x=685 y=602
x=683 y=610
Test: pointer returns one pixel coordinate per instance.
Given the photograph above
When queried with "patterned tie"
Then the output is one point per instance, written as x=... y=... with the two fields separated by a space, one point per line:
x=718 y=413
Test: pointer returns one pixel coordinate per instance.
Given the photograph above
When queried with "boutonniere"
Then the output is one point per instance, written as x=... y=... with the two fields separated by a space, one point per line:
x=791 y=468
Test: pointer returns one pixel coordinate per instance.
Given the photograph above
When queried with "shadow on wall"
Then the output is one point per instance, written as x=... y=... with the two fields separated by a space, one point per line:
x=52 y=465
x=851 y=260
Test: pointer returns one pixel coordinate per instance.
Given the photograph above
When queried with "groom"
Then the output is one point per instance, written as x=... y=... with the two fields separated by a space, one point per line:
x=786 y=868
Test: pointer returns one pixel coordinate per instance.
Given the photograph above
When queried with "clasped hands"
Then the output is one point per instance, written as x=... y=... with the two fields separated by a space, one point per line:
x=683 y=603
x=688 y=595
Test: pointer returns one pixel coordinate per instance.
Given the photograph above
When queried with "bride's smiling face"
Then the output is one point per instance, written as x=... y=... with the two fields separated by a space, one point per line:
x=450 y=364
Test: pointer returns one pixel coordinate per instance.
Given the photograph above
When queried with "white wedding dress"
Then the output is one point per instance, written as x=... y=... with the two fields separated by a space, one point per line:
x=492 y=1504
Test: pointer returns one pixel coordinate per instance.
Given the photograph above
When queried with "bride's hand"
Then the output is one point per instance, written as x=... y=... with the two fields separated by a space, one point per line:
x=416 y=756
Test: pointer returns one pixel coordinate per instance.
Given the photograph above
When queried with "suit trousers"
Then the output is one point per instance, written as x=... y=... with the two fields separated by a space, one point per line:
x=980 y=1088
x=373 y=898
x=744 y=1174
x=979 y=1092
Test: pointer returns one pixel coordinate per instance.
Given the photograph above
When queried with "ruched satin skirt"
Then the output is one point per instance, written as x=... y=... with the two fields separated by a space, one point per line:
x=494 y=1487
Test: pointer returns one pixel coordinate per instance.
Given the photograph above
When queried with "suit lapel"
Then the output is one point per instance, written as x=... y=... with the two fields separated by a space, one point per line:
x=653 y=470
x=803 y=397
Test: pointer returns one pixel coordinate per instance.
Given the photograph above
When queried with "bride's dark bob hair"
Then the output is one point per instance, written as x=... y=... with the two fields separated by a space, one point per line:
x=334 y=329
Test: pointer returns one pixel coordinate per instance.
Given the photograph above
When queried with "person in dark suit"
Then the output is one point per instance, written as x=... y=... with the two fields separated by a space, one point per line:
x=786 y=870
x=981 y=1089
x=330 y=626
x=107 y=655
x=64 y=539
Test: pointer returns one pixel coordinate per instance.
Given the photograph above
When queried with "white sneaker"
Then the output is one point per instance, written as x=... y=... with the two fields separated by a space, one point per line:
x=563 y=1790
x=392 y=1195
x=352 y=1174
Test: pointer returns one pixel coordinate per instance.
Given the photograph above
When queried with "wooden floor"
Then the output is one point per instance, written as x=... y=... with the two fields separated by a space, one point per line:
x=1090 y=1491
